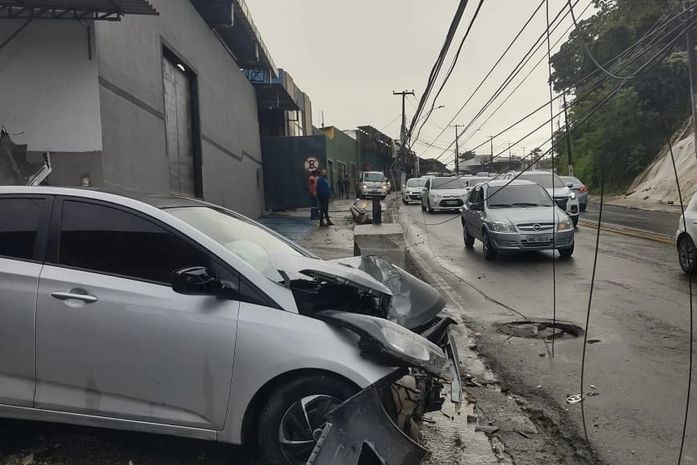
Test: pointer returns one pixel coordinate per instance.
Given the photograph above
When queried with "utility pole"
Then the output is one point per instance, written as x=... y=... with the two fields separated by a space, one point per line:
x=568 y=138
x=457 y=147
x=403 y=133
x=692 y=62
x=491 y=160
x=510 y=157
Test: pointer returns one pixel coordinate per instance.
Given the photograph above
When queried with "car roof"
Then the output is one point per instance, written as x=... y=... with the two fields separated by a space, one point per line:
x=161 y=201
x=515 y=182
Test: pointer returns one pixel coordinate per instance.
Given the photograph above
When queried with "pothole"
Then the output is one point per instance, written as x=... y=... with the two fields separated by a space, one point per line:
x=539 y=329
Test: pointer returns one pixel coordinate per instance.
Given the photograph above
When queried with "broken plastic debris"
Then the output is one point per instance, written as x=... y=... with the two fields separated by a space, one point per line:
x=593 y=387
x=574 y=399
x=593 y=394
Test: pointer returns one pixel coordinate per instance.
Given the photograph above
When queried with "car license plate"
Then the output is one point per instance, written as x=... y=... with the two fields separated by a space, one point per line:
x=450 y=202
x=537 y=238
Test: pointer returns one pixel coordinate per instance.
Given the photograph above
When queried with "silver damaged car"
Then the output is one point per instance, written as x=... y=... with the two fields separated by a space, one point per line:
x=174 y=316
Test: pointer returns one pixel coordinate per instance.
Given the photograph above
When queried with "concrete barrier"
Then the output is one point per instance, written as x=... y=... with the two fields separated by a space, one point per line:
x=386 y=241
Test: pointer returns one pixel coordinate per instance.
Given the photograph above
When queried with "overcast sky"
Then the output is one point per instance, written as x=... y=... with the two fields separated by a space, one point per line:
x=350 y=56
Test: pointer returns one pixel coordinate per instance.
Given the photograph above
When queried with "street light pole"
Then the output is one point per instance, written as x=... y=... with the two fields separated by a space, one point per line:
x=457 y=147
x=491 y=160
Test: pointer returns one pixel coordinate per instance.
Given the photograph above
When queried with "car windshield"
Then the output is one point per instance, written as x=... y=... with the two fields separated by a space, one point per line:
x=543 y=179
x=447 y=183
x=373 y=177
x=570 y=179
x=241 y=236
x=416 y=183
x=517 y=196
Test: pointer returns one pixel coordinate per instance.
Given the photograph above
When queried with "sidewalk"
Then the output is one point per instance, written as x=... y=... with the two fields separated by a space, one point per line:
x=490 y=428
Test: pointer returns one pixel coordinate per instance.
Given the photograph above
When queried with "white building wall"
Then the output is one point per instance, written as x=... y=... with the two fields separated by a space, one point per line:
x=49 y=97
x=130 y=78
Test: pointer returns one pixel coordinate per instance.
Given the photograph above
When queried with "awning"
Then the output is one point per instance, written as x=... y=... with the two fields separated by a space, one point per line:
x=108 y=10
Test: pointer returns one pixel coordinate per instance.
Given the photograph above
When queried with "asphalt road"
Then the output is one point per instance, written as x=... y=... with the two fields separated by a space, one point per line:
x=656 y=222
x=638 y=358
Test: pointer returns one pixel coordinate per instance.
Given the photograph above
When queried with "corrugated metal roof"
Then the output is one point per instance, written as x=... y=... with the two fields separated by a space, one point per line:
x=69 y=9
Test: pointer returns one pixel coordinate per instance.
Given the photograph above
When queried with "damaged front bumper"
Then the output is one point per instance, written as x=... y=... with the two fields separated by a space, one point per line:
x=379 y=425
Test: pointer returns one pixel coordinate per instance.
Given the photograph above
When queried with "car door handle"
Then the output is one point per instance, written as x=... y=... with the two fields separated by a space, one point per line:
x=88 y=299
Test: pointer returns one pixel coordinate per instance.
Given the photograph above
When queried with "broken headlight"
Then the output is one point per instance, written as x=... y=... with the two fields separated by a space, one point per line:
x=388 y=343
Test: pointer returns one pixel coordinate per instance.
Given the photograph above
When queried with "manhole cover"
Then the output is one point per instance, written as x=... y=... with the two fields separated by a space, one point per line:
x=539 y=329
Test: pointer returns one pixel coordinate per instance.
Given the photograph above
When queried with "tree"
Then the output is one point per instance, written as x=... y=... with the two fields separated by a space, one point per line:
x=623 y=136
x=467 y=155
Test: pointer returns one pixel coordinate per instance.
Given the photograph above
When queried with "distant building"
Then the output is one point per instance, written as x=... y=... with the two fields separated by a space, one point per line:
x=342 y=155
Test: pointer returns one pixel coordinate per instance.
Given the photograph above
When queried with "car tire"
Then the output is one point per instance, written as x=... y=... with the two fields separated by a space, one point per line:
x=567 y=252
x=405 y=202
x=574 y=220
x=687 y=254
x=488 y=248
x=469 y=239
x=423 y=207
x=317 y=395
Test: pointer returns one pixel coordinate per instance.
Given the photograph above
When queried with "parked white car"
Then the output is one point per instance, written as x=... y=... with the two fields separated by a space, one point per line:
x=685 y=239
x=443 y=194
x=169 y=315
x=412 y=190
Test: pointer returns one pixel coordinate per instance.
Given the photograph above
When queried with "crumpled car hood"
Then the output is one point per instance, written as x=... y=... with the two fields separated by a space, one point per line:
x=297 y=266
x=414 y=303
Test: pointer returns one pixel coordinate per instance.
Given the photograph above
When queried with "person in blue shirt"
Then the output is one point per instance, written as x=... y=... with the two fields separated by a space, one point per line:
x=324 y=192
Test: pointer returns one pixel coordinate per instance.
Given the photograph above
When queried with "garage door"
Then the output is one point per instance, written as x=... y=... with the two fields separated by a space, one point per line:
x=179 y=129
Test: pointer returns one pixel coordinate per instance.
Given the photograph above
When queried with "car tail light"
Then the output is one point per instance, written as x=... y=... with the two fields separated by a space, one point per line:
x=583 y=188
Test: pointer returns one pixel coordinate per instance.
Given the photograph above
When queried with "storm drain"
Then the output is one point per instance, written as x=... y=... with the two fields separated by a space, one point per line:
x=539 y=329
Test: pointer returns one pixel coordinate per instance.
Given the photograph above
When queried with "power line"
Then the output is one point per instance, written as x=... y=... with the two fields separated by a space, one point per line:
x=501 y=59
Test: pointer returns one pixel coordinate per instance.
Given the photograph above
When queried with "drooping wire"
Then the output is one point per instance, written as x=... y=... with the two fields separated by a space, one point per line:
x=588 y=51
x=554 y=210
x=588 y=312
x=689 y=280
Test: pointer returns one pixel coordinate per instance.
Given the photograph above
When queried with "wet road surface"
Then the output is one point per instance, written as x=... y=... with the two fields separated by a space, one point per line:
x=656 y=222
x=638 y=360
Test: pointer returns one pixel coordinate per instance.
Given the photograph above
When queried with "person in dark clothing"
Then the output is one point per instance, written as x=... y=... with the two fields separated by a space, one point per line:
x=324 y=192
x=347 y=186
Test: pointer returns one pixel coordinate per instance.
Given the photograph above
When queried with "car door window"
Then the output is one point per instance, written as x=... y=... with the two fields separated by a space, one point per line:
x=112 y=241
x=19 y=227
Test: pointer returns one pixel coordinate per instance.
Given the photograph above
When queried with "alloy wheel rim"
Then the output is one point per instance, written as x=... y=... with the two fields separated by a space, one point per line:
x=301 y=426
x=687 y=254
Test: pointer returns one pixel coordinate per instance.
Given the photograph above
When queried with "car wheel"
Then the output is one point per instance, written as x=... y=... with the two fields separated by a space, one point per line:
x=687 y=254
x=423 y=207
x=489 y=250
x=405 y=202
x=574 y=220
x=567 y=252
x=294 y=416
x=469 y=239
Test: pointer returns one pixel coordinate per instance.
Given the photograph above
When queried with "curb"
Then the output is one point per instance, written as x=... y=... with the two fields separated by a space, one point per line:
x=627 y=231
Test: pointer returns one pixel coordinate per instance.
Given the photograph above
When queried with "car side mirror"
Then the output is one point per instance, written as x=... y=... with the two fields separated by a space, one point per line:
x=197 y=280
x=569 y=185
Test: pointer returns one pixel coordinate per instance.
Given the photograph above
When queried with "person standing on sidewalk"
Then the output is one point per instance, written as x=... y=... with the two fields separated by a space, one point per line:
x=347 y=186
x=312 y=189
x=324 y=192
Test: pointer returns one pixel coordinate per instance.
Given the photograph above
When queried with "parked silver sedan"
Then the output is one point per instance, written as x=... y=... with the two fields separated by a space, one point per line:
x=515 y=216
x=174 y=316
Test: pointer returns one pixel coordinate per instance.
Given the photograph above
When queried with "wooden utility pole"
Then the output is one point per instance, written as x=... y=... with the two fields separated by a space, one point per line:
x=457 y=147
x=491 y=160
x=403 y=133
x=570 y=155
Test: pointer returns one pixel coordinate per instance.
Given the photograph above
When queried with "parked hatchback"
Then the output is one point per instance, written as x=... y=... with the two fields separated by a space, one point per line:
x=515 y=216
x=174 y=316
x=443 y=194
